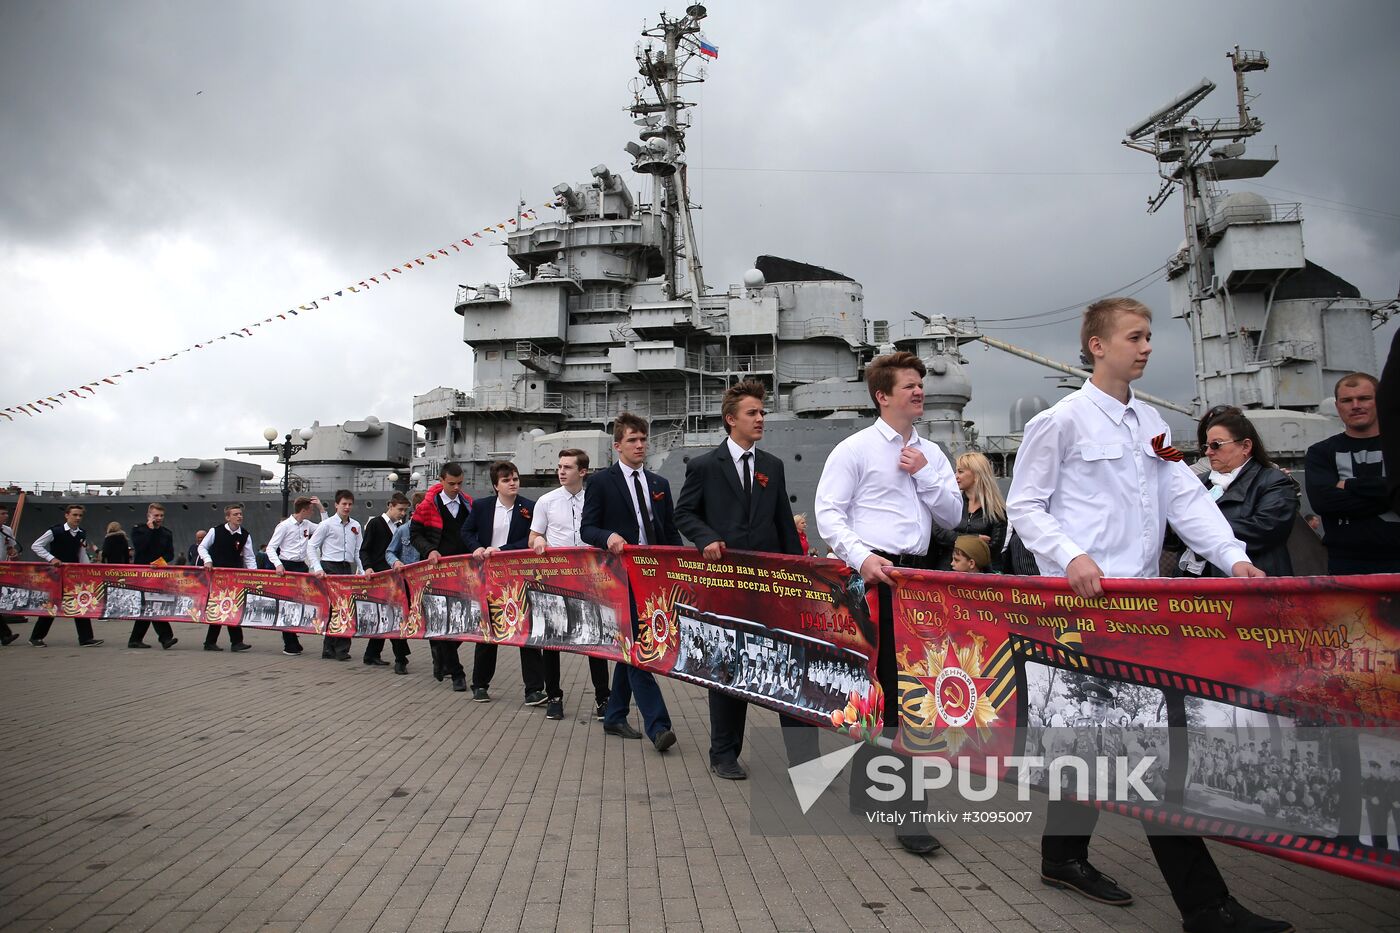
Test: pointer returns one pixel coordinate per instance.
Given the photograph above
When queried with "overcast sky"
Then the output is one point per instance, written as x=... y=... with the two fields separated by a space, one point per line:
x=173 y=171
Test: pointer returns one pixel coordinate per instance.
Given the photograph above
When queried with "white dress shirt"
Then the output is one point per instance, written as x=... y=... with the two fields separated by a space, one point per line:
x=289 y=540
x=41 y=546
x=641 y=474
x=736 y=453
x=1088 y=482
x=335 y=540
x=453 y=505
x=250 y=558
x=557 y=515
x=500 y=523
x=866 y=503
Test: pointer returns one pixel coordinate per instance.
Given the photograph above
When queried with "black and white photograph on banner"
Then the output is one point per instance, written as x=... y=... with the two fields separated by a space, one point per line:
x=294 y=615
x=769 y=667
x=376 y=618
x=707 y=652
x=1380 y=790
x=833 y=675
x=1084 y=716
x=1265 y=769
x=590 y=623
x=20 y=598
x=260 y=611
x=122 y=603
x=549 y=618
x=449 y=615
x=434 y=607
x=164 y=605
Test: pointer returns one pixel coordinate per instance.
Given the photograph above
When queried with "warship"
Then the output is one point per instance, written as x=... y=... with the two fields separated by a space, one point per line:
x=607 y=310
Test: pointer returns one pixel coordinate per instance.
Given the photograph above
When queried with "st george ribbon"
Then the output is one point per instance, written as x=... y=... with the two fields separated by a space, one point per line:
x=1270 y=707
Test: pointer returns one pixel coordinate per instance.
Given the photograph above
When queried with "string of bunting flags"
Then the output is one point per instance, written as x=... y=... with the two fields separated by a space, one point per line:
x=49 y=403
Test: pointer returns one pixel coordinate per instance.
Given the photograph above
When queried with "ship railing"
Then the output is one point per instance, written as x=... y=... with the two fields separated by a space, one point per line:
x=739 y=363
x=506 y=400
x=809 y=372
x=667 y=440
x=1282 y=350
x=1255 y=214
x=469 y=293
x=808 y=328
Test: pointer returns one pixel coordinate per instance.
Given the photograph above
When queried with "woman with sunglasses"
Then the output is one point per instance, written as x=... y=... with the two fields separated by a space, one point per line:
x=1259 y=500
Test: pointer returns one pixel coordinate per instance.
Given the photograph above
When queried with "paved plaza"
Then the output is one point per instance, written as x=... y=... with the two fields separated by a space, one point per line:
x=188 y=790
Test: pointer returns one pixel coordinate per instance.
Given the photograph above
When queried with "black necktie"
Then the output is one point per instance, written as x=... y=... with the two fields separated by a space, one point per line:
x=648 y=526
x=748 y=480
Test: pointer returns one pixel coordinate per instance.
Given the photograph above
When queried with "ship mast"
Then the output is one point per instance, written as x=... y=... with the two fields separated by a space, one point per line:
x=661 y=152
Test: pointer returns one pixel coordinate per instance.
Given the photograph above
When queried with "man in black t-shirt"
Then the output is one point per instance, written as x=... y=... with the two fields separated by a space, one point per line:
x=1346 y=484
x=152 y=543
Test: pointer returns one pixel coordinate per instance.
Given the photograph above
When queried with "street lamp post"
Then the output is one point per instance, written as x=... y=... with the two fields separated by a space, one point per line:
x=284 y=451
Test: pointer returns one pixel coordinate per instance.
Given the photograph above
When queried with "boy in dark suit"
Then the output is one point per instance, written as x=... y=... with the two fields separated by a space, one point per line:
x=379 y=531
x=436 y=532
x=735 y=496
x=502 y=523
x=627 y=504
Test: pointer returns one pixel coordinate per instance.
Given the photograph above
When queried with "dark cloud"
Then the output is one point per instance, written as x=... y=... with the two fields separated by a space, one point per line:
x=291 y=148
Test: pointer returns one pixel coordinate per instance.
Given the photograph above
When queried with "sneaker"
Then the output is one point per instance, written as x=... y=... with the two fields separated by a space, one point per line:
x=38 y=643
x=137 y=644
x=241 y=646
x=459 y=685
x=602 y=709
x=479 y=695
x=209 y=647
x=291 y=652
x=555 y=710
x=536 y=698
x=400 y=667
x=90 y=644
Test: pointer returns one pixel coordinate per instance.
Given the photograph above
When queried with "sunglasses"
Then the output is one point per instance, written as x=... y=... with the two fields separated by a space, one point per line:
x=1216 y=445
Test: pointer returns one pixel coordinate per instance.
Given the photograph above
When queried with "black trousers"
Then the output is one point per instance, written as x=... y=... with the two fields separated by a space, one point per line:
x=375 y=647
x=290 y=642
x=235 y=634
x=597 y=671
x=444 y=651
x=887 y=673
x=728 y=715
x=336 y=646
x=138 y=631
x=531 y=667
x=43 y=623
x=1348 y=566
x=1185 y=862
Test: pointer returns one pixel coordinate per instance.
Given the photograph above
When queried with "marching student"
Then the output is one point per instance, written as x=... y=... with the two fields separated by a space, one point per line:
x=334 y=549
x=64 y=544
x=228 y=545
x=881 y=492
x=435 y=532
x=736 y=497
x=379 y=532
x=628 y=504
x=501 y=522
x=558 y=514
x=286 y=550
x=1096 y=483
x=152 y=544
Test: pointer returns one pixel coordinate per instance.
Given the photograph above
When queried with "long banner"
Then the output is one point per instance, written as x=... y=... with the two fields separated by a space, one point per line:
x=1274 y=705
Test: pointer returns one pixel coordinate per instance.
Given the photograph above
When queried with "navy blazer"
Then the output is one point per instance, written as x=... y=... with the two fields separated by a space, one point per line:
x=607 y=508
x=476 y=530
x=712 y=505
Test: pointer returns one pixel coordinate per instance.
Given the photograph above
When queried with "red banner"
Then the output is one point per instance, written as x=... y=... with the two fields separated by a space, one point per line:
x=568 y=598
x=30 y=589
x=124 y=591
x=1301 y=675
x=788 y=632
x=289 y=602
x=369 y=606
x=444 y=599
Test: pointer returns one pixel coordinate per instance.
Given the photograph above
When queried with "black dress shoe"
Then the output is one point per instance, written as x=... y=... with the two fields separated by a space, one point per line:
x=241 y=646
x=209 y=647
x=169 y=643
x=622 y=729
x=1229 y=917
x=459 y=683
x=1079 y=875
x=376 y=662
x=400 y=667
x=7 y=639
x=729 y=770
x=37 y=643
x=137 y=644
x=90 y=644
x=327 y=656
x=664 y=740
x=918 y=843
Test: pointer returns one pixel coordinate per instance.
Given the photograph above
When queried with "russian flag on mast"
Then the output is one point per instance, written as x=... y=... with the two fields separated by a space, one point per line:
x=707 y=48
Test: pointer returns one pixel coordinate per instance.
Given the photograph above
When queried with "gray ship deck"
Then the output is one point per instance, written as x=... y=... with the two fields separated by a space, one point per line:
x=185 y=790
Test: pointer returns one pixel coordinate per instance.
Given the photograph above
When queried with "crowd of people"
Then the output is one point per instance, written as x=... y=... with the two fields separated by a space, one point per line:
x=1097 y=490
